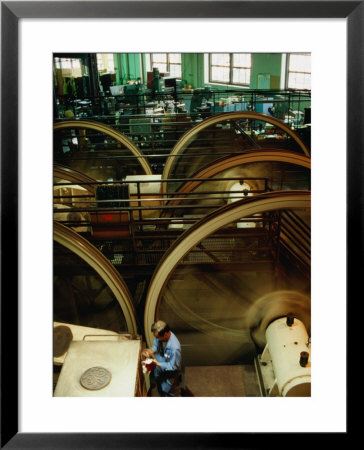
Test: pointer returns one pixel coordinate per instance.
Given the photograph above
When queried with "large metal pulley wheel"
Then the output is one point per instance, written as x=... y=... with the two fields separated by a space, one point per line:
x=273 y=306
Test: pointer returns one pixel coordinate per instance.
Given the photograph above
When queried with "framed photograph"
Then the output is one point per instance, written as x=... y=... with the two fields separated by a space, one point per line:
x=31 y=33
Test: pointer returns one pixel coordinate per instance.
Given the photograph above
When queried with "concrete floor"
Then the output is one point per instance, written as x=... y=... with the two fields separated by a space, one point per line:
x=219 y=381
x=222 y=381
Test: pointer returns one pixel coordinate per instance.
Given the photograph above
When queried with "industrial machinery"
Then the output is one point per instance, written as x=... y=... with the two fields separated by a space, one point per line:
x=132 y=92
x=196 y=245
x=96 y=363
x=143 y=193
x=285 y=364
x=281 y=322
x=157 y=84
x=200 y=102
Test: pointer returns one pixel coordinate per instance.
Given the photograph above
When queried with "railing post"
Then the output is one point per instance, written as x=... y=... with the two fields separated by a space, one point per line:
x=132 y=235
x=276 y=256
x=139 y=202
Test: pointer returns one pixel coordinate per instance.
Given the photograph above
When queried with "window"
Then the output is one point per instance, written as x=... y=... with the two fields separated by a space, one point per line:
x=105 y=62
x=230 y=68
x=68 y=67
x=299 y=71
x=166 y=63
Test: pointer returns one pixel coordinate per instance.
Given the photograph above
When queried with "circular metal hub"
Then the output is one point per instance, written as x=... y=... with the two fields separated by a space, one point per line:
x=95 y=378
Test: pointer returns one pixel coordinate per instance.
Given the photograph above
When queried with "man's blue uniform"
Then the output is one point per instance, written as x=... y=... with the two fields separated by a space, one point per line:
x=167 y=375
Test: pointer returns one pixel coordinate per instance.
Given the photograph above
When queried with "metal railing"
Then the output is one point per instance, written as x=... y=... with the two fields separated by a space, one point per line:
x=295 y=240
x=136 y=231
x=155 y=127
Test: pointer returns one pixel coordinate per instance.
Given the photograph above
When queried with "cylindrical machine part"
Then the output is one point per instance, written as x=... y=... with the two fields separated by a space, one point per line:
x=285 y=344
x=304 y=356
x=290 y=319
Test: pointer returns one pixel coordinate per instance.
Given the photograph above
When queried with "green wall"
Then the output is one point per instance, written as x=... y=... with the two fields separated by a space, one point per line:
x=193 y=69
x=262 y=64
x=127 y=67
x=266 y=64
x=265 y=73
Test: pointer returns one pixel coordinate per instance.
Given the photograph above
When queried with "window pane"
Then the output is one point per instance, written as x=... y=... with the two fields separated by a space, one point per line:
x=148 y=62
x=69 y=67
x=162 y=67
x=75 y=63
x=66 y=63
x=298 y=80
x=57 y=63
x=220 y=74
x=230 y=68
x=105 y=62
x=220 y=59
x=241 y=76
x=299 y=75
x=242 y=59
x=300 y=62
x=111 y=65
x=175 y=70
x=175 y=58
x=160 y=57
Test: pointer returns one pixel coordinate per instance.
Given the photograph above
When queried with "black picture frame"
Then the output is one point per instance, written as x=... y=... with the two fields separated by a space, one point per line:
x=11 y=12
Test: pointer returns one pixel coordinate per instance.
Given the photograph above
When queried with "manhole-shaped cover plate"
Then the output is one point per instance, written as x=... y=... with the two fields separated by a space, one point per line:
x=95 y=378
x=62 y=337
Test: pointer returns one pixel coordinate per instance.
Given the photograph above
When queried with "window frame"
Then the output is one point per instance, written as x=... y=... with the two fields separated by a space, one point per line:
x=168 y=63
x=100 y=62
x=231 y=68
x=288 y=71
x=71 y=64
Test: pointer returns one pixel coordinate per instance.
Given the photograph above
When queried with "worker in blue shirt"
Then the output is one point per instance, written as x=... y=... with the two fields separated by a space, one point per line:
x=167 y=371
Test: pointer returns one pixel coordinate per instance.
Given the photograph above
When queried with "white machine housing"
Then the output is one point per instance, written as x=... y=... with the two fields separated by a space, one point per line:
x=285 y=363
